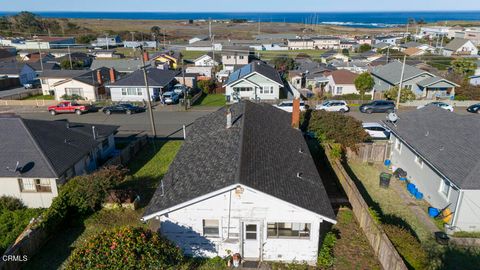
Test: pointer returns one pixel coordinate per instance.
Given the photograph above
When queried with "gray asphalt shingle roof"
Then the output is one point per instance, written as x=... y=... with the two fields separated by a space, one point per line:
x=448 y=141
x=120 y=65
x=456 y=44
x=156 y=78
x=49 y=145
x=392 y=72
x=256 y=66
x=261 y=150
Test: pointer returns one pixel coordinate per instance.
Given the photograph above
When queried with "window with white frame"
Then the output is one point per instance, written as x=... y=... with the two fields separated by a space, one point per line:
x=34 y=185
x=288 y=230
x=398 y=145
x=74 y=91
x=211 y=227
x=419 y=161
x=445 y=188
x=339 y=90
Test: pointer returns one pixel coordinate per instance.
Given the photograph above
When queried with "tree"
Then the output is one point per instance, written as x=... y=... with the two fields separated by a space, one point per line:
x=86 y=39
x=364 y=48
x=364 y=83
x=207 y=86
x=65 y=64
x=464 y=66
x=346 y=52
x=155 y=30
x=405 y=95
x=283 y=63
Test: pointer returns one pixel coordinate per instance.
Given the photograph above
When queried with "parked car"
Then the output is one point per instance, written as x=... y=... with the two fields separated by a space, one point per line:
x=334 y=106
x=126 y=108
x=376 y=130
x=171 y=97
x=439 y=104
x=288 y=106
x=32 y=84
x=475 y=108
x=378 y=106
x=179 y=89
x=68 y=107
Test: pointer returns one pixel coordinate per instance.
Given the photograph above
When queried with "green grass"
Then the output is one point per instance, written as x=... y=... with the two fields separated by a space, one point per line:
x=467 y=234
x=146 y=170
x=213 y=100
x=269 y=55
x=191 y=55
x=40 y=97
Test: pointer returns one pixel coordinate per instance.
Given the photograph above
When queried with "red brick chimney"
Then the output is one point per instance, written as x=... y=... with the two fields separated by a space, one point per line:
x=112 y=75
x=146 y=57
x=296 y=113
x=99 y=77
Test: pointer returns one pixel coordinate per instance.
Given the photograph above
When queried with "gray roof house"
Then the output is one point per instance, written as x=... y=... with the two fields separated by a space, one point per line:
x=120 y=65
x=256 y=80
x=132 y=87
x=460 y=46
x=36 y=155
x=424 y=84
x=250 y=185
x=23 y=71
x=440 y=151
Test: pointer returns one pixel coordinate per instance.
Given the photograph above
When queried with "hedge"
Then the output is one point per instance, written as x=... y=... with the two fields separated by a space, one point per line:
x=407 y=245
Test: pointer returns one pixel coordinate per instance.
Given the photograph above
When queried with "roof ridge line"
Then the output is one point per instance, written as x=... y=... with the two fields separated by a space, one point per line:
x=35 y=142
x=240 y=154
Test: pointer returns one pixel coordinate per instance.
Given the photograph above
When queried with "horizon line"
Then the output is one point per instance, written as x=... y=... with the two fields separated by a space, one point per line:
x=234 y=12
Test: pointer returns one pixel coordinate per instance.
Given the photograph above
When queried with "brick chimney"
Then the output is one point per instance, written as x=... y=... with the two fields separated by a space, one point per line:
x=112 y=75
x=99 y=77
x=146 y=57
x=296 y=113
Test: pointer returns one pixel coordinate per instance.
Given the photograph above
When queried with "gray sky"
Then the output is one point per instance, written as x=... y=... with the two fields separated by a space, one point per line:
x=238 y=5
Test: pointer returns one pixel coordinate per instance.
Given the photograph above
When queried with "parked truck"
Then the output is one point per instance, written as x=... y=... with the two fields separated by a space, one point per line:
x=68 y=107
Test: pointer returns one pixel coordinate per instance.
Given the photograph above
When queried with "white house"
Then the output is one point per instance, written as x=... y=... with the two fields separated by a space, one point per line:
x=207 y=60
x=251 y=189
x=439 y=150
x=132 y=87
x=48 y=78
x=391 y=40
x=256 y=80
x=37 y=156
x=341 y=82
x=326 y=42
x=300 y=44
x=460 y=46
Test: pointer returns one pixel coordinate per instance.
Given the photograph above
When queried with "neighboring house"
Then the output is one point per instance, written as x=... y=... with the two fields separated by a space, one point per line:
x=90 y=85
x=49 y=78
x=8 y=54
x=76 y=57
x=439 y=150
x=235 y=55
x=300 y=44
x=170 y=59
x=207 y=60
x=434 y=31
x=120 y=65
x=413 y=51
x=381 y=45
x=106 y=54
x=460 y=46
x=24 y=72
x=252 y=188
x=39 y=42
x=364 y=40
x=188 y=79
x=341 y=82
x=296 y=78
x=205 y=72
x=132 y=87
x=204 y=46
x=355 y=66
x=269 y=47
x=473 y=34
x=348 y=44
x=256 y=80
x=38 y=156
x=424 y=85
x=333 y=54
x=144 y=44
x=198 y=38
x=326 y=43
x=390 y=40
x=108 y=41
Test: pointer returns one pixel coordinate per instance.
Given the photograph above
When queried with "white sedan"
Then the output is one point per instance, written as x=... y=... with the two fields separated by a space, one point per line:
x=288 y=106
x=376 y=130
x=333 y=106
x=439 y=104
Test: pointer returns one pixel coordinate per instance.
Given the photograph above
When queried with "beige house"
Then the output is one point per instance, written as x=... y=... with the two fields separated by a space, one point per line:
x=341 y=82
x=38 y=156
x=326 y=42
x=300 y=44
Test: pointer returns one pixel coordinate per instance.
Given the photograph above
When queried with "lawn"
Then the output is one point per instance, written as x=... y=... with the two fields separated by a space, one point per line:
x=146 y=170
x=40 y=97
x=191 y=55
x=269 y=55
x=212 y=100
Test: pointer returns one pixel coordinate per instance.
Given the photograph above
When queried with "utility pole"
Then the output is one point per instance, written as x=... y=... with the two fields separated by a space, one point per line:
x=259 y=25
x=184 y=85
x=106 y=39
x=149 y=102
x=397 y=105
x=164 y=40
x=210 y=28
x=213 y=54
x=388 y=54
x=70 y=57
x=40 y=55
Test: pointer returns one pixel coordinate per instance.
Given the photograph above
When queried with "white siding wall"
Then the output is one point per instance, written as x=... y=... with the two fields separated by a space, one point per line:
x=116 y=95
x=468 y=215
x=11 y=187
x=257 y=80
x=47 y=84
x=89 y=91
x=346 y=88
x=185 y=226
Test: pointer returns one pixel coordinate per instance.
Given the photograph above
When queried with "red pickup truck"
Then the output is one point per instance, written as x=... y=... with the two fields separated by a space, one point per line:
x=68 y=107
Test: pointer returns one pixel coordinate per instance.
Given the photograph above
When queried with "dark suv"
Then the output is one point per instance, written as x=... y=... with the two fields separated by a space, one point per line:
x=378 y=106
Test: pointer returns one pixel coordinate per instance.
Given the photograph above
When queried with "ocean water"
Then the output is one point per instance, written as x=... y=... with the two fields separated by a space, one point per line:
x=351 y=19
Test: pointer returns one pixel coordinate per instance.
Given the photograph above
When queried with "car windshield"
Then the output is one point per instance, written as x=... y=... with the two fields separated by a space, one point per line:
x=127 y=105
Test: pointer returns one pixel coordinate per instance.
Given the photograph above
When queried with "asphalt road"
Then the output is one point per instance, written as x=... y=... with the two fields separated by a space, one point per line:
x=169 y=124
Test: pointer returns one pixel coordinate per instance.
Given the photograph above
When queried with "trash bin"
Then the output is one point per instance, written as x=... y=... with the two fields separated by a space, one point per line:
x=385 y=180
x=433 y=212
x=400 y=173
x=441 y=238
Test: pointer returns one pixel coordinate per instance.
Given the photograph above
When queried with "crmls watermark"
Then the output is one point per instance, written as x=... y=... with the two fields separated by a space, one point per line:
x=14 y=258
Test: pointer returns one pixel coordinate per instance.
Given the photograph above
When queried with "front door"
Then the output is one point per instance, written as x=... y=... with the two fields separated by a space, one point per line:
x=251 y=240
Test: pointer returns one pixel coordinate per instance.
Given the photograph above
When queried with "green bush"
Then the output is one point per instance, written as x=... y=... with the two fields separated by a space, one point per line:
x=125 y=248
x=353 y=97
x=207 y=86
x=405 y=95
x=72 y=97
x=375 y=215
x=408 y=246
x=8 y=203
x=325 y=255
x=215 y=263
x=12 y=223
x=82 y=195
x=332 y=127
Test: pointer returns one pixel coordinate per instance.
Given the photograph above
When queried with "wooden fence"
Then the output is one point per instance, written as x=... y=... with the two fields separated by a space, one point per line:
x=19 y=96
x=375 y=152
x=383 y=248
x=127 y=153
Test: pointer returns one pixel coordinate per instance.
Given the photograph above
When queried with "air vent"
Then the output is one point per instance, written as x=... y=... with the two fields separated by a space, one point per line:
x=299 y=175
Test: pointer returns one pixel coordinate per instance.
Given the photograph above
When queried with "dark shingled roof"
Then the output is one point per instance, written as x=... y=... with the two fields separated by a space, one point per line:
x=448 y=141
x=256 y=66
x=156 y=78
x=261 y=150
x=49 y=145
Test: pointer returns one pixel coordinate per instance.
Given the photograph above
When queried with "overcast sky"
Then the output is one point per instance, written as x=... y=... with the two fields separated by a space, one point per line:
x=238 y=5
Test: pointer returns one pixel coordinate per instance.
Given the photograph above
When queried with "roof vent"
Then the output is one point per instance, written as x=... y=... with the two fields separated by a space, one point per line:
x=427 y=133
x=229 y=118
x=299 y=175
x=300 y=150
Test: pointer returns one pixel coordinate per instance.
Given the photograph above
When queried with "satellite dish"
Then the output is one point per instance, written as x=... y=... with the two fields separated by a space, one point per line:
x=392 y=117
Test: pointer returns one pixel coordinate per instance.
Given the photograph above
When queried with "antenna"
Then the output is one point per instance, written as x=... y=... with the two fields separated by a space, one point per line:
x=17 y=167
